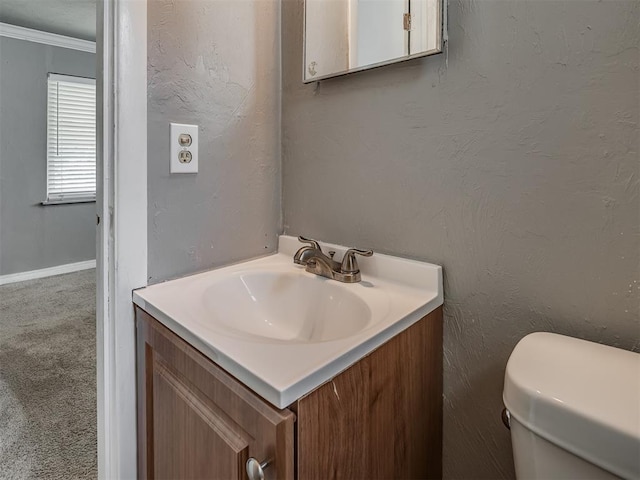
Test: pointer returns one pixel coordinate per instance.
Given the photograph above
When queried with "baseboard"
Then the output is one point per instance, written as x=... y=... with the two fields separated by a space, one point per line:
x=47 y=272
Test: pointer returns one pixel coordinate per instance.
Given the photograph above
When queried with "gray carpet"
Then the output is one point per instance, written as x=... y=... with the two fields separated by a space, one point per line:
x=48 y=378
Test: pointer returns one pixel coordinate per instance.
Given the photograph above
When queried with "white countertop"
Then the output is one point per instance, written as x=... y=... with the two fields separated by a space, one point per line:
x=399 y=292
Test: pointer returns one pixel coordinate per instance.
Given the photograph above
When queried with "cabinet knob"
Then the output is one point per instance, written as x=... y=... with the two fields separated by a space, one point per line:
x=255 y=469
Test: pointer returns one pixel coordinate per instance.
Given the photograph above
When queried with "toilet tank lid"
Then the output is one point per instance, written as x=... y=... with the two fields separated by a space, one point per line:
x=580 y=395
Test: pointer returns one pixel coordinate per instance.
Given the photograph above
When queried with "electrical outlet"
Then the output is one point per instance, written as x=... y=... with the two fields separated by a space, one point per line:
x=184 y=148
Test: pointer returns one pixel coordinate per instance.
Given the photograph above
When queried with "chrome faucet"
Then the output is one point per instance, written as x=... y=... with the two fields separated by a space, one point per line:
x=315 y=261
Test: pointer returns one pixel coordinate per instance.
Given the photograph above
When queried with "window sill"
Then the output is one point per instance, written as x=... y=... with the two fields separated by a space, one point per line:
x=67 y=201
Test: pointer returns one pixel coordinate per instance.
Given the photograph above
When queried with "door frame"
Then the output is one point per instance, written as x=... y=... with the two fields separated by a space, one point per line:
x=122 y=224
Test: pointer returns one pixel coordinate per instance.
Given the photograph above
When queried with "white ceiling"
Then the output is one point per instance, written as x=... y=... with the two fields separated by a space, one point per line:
x=73 y=18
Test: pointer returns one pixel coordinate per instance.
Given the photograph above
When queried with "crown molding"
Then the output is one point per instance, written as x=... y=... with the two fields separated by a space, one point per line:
x=37 y=36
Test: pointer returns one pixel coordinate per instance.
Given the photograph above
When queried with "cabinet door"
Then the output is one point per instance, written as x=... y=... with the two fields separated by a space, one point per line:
x=197 y=422
x=191 y=439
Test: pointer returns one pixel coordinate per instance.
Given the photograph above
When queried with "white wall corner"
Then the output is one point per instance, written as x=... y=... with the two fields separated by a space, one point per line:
x=122 y=240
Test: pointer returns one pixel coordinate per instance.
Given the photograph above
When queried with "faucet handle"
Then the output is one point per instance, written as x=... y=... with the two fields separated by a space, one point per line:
x=310 y=241
x=349 y=262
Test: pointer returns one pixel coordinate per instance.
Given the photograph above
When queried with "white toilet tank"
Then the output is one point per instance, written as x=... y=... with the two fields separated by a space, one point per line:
x=574 y=409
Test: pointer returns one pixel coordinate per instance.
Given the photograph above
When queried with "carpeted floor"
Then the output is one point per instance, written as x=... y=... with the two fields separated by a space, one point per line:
x=48 y=378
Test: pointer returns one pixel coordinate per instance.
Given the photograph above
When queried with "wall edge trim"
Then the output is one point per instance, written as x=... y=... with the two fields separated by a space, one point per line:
x=47 y=272
x=37 y=36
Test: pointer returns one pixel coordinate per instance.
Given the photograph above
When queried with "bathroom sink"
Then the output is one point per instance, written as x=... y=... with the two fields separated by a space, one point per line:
x=285 y=307
x=283 y=331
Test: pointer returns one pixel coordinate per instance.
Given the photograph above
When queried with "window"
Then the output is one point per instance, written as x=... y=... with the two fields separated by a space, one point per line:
x=71 y=139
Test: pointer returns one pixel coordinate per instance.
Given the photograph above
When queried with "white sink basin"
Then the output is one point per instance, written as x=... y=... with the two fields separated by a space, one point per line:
x=285 y=307
x=283 y=331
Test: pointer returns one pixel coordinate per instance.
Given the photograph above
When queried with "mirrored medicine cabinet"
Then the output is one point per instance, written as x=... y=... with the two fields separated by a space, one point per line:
x=345 y=36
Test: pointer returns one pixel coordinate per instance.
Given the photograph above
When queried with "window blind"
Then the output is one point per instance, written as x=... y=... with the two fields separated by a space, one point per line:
x=71 y=139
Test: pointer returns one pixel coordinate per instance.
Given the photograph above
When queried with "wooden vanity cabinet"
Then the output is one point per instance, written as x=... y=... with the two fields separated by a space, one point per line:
x=379 y=419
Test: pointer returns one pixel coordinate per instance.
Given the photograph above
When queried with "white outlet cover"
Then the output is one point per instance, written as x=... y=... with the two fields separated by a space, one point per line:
x=176 y=130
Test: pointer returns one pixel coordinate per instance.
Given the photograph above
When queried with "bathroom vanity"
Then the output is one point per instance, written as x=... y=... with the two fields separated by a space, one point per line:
x=356 y=397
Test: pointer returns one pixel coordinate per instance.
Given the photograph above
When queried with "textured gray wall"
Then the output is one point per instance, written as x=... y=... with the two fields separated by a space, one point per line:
x=33 y=236
x=217 y=65
x=513 y=163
